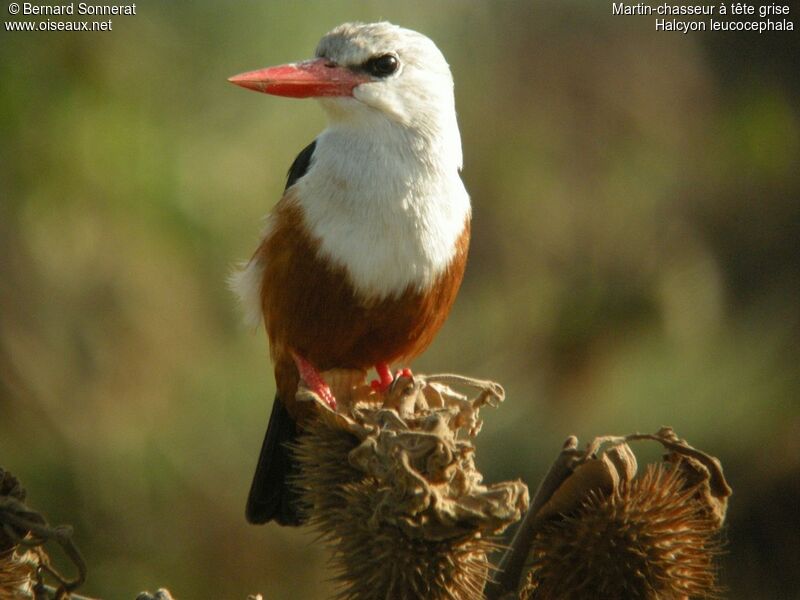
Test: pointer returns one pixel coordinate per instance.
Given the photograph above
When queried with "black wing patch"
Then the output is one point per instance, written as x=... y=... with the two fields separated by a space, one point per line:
x=300 y=165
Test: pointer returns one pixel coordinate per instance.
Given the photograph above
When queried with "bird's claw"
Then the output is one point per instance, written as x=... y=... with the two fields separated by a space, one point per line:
x=385 y=381
x=314 y=381
x=325 y=394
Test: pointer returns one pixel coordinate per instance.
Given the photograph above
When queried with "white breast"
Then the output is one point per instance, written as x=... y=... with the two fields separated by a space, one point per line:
x=386 y=208
x=384 y=200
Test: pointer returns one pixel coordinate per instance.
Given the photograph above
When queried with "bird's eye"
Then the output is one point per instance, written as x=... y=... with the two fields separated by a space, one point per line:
x=382 y=66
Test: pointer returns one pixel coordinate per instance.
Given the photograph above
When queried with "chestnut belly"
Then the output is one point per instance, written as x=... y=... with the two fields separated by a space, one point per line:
x=311 y=307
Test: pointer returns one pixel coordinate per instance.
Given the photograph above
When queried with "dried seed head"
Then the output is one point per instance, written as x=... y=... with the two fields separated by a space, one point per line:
x=18 y=574
x=652 y=537
x=10 y=485
x=399 y=500
x=17 y=568
x=11 y=494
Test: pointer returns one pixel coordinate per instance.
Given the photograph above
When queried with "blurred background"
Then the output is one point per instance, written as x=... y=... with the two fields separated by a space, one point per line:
x=635 y=263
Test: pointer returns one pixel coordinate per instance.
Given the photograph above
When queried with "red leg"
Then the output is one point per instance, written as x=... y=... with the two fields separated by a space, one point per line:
x=385 y=378
x=314 y=380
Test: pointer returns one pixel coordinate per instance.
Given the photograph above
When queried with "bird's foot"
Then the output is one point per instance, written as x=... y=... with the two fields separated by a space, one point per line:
x=314 y=380
x=385 y=379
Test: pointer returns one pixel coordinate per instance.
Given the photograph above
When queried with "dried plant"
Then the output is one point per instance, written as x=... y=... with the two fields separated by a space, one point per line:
x=24 y=564
x=17 y=566
x=605 y=533
x=649 y=539
x=389 y=481
x=392 y=487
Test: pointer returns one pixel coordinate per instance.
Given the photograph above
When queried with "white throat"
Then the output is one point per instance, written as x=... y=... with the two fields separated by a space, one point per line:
x=386 y=202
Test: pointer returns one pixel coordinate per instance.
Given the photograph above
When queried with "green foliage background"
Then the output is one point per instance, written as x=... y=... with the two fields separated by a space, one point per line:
x=635 y=263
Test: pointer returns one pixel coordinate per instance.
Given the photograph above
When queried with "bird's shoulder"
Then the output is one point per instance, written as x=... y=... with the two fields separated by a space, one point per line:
x=300 y=165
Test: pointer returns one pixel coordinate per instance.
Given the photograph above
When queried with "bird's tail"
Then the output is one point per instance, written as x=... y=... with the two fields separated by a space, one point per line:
x=272 y=496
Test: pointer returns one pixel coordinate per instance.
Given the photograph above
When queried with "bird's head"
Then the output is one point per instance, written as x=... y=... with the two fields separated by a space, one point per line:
x=363 y=71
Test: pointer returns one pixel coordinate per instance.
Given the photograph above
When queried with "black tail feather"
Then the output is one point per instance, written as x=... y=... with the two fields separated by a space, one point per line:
x=272 y=496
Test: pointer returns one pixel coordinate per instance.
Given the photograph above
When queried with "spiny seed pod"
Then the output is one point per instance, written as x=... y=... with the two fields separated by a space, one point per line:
x=396 y=494
x=603 y=533
x=653 y=537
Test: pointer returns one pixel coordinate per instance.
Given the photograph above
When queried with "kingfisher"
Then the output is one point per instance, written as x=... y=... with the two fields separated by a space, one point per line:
x=361 y=259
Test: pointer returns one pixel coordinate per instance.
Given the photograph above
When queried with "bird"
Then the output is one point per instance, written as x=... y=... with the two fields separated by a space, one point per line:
x=361 y=259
